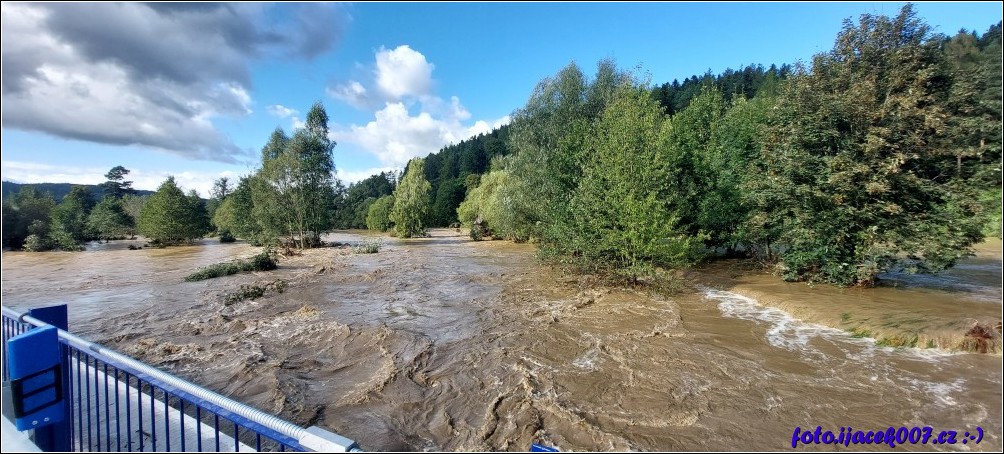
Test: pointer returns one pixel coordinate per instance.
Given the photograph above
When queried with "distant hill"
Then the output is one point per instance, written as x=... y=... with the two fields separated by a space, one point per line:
x=58 y=190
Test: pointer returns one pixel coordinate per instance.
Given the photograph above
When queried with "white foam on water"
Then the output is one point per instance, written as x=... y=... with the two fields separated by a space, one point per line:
x=785 y=331
x=941 y=392
x=793 y=334
x=587 y=361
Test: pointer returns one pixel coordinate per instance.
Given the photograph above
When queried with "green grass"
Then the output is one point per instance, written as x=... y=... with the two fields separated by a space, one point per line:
x=845 y=317
x=858 y=332
x=900 y=340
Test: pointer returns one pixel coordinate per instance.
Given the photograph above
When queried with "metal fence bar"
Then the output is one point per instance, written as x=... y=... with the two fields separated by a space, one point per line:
x=184 y=404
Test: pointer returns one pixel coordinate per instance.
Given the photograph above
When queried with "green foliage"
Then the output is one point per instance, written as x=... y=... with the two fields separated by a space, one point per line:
x=854 y=169
x=411 y=201
x=36 y=243
x=293 y=194
x=170 y=217
x=116 y=186
x=484 y=202
x=990 y=202
x=236 y=213
x=199 y=212
x=369 y=247
x=69 y=220
x=264 y=261
x=133 y=205
x=108 y=220
x=746 y=83
x=624 y=213
x=378 y=217
x=450 y=172
x=359 y=198
x=254 y=291
x=226 y=237
x=63 y=240
x=27 y=213
x=222 y=188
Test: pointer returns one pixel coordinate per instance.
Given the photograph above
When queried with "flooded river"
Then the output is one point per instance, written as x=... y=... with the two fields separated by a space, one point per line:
x=446 y=344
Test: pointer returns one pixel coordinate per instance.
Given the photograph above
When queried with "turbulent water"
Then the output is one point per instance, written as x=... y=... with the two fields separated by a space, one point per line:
x=445 y=344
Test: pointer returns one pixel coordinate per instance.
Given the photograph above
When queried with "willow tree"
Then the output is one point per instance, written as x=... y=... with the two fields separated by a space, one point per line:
x=411 y=201
x=547 y=157
x=625 y=214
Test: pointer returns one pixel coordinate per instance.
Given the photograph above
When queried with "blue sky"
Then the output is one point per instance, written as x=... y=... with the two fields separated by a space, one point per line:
x=195 y=90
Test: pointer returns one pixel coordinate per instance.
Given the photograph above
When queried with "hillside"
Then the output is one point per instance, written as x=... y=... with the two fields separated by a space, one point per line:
x=58 y=190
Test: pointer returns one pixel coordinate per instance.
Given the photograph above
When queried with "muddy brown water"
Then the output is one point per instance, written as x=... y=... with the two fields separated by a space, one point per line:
x=446 y=344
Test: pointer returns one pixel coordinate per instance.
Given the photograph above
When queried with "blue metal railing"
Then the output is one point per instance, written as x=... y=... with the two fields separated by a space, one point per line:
x=120 y=404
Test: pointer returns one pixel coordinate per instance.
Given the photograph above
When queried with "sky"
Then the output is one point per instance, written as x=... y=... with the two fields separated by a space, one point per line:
x=195 y=90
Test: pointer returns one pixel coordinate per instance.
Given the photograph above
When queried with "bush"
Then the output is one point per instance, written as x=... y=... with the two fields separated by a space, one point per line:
x=35 y=243
x=246 y=292
x=369 y=247
x=264 y=261
x=226 y=237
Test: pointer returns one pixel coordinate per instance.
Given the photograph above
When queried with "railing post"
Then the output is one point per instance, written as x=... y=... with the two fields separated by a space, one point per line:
x=57 y=437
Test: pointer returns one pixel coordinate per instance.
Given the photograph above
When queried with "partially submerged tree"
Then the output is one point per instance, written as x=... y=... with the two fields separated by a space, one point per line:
x=857 y=161
x=171 y=217
x=411 y=201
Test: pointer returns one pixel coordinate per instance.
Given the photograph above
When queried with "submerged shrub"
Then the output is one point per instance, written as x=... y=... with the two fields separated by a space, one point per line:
x=264 y=261
x=369 y=247
x=35 y=243
x=252 y=291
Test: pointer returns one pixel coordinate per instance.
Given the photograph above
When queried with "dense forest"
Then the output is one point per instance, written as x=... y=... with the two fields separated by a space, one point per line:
x=882 y=153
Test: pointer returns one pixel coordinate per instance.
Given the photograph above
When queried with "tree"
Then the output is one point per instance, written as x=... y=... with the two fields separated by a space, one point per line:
x=483 y=202
x=116 y=186
x=359 y=197
x=221 y=189
x=236 y=214
x=294 y=191
x=200 y=215
x=411 y=201
x=170 y=217
x=547 y=154
x=856 y=163
x=108 y=220
x=378 y=215
x=69 y=219
x=25 y=214
x=625 y=213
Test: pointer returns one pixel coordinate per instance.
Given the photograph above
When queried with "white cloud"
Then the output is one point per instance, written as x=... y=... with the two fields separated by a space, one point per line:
x=282 y=111
x=154 y=75
x=33 y=172
x=395 y=136
x=352 y=93
x=403 y=80
x=403 y=72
